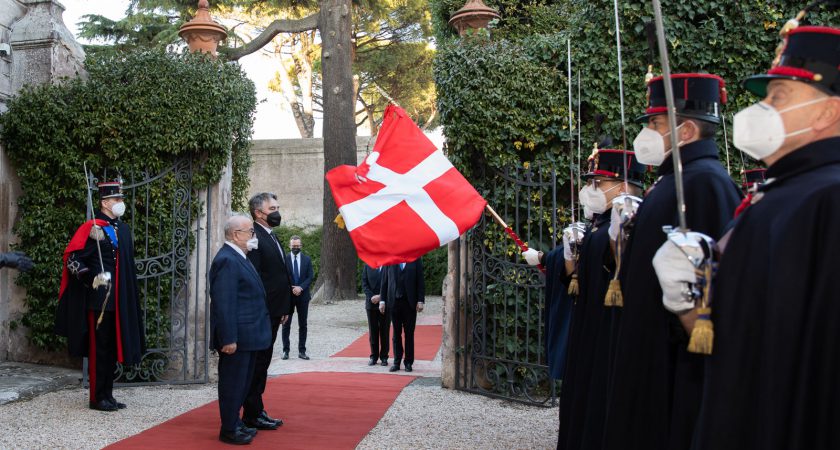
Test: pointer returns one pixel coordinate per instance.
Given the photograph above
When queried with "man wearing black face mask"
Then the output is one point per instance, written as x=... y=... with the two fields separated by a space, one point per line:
x=269 y=260
x=98 y=308
x=302 y=276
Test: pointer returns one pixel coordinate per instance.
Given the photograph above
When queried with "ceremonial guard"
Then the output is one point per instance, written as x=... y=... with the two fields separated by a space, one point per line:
x=655 y=383
x=772 y=376
x=99 y=310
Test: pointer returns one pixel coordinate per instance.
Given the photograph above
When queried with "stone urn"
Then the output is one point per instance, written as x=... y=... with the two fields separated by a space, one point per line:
x=202 y=33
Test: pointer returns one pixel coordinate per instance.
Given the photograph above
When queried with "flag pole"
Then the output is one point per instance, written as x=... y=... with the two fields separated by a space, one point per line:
x=522 y=245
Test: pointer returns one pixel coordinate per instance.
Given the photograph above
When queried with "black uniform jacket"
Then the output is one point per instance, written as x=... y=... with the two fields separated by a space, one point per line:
x=773 y=379
x=656 y=384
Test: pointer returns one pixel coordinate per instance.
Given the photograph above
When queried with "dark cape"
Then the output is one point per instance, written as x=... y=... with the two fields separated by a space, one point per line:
x=583 y=399
x=558 y=315
x=656 y=384
x=772 y=378
x=76 y=294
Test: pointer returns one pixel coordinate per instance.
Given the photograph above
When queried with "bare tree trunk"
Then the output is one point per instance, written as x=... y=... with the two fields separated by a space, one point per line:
x=338 y=257
x=303 y=69
x=291 y=98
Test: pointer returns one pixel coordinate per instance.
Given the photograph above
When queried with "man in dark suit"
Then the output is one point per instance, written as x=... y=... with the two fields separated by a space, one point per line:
x=239 y=324
x=378 y=322
x=302 y=275
x=403 y=292
x=268 y=260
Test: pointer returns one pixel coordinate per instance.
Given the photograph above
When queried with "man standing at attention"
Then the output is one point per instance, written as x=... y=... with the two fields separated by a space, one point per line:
x=239 y=324
x=99 y=308
x=268 y=260
x=378 y=322
x=403 y=292
x=302 y=276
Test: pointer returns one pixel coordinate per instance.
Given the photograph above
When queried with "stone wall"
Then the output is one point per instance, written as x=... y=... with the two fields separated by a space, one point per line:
x=294 y=170
x=41 y=50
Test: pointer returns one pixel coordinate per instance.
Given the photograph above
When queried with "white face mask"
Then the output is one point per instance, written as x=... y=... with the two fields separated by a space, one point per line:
x=759 y=130
x=594 y=198
x=118 y=209
x=587 y=213
x=649 y=146
x=253 y=243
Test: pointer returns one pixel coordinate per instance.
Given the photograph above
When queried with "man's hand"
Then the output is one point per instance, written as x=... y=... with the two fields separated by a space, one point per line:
x=382 y=307
x=375 y=299
x=567 y=248
x=296 y=290
x=101 y=279
x=532 y=257
x=420 y=306
x=229 y=349
x=615 y=223
x=16 y=260
x=675 y=272
x=284 y=319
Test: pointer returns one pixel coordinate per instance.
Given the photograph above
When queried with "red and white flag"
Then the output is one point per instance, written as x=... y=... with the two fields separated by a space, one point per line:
x=406 y=198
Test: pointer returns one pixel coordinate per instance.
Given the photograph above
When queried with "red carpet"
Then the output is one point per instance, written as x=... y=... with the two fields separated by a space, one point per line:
x=330 y=410
x=426 y=344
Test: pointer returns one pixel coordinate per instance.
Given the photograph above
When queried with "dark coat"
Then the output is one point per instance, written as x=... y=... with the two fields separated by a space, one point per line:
x=411 y=276
x=558 y=312
x=237 y=304
x=772 y=378
x=269 y=261
x=371 y=282
x=583 y=398
x=82 y=265
x=656 y=383
x=307 y=274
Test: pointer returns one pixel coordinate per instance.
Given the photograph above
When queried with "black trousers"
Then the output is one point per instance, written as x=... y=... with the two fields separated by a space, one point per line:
x=102 y=355
x=302 y=307
x=253 y=405
x=235 y=373
x=404 y=317
x=378 y=331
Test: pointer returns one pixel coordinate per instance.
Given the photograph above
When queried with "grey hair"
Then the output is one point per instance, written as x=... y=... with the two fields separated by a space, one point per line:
x=257 y=201
x=295 y=238
x=231 y=223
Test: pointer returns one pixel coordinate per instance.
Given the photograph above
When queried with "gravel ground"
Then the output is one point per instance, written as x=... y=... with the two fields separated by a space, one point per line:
x=423 y=416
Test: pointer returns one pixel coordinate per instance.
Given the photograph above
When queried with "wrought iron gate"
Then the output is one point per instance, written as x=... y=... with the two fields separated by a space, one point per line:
x=502 y=311
x=171 y=247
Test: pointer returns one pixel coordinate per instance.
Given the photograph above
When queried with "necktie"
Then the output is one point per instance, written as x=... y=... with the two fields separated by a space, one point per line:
x=402 y=266
x=297 y=272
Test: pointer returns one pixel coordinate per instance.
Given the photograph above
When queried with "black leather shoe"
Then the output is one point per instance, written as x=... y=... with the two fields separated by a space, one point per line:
x=237 y=437
x=116 y=403
x=303 y=355
x=260 y=424
x=285 y=355
x=394 y=368
x=372 y=362
x=384 y=362
x=407 y=367
x=247 y=430
x=103 y=405
x=264 y=415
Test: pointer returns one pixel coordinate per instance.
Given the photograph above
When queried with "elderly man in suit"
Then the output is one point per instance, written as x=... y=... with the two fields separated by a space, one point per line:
x=302 y=276
x=269 y=260
x=378 y=322
x=403 y=291
x=239 y=324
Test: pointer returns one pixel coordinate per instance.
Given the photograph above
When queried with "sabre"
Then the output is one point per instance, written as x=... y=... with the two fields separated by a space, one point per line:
x=522 y=246
x=103 y=278
x=672 y=114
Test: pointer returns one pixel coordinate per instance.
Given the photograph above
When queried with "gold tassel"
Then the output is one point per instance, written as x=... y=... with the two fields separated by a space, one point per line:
x=614 y=297
x=574 y=288
x=339 y=222
x=703 y=334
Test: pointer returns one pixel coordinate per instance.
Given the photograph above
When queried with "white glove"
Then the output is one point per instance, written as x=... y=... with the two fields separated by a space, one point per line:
x=674 y=271
x=382 y=307
x=567 y=248
x=615 y=223
x=532 y=257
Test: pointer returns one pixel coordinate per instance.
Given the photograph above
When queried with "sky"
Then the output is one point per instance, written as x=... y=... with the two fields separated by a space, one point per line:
x=273 y=120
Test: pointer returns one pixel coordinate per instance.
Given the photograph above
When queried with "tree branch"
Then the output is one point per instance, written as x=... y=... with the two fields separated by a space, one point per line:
x=278 y=26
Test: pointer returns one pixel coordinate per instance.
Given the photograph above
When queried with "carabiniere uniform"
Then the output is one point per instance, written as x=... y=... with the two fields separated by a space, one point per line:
x=584 y=392
x=655 y=385
x=772 y=379
x=105 y=323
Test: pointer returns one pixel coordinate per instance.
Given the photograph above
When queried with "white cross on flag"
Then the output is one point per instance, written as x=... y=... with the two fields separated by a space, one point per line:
x=406 y=198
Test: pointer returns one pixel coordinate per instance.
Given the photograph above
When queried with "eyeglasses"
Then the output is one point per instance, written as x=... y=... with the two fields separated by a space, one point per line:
x=251 y=230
